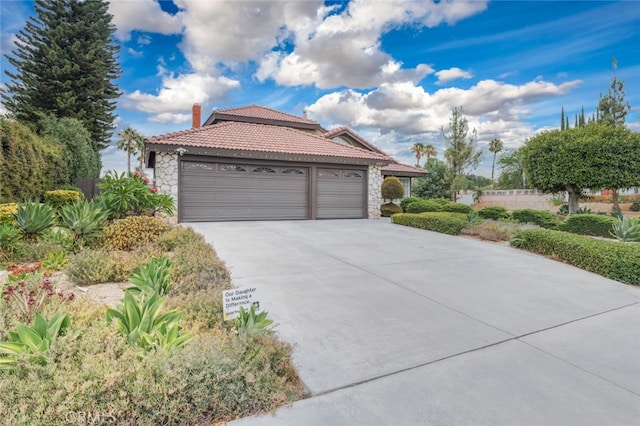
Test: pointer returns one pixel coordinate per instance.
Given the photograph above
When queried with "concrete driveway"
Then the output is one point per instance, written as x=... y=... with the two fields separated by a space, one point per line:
x=399 y=326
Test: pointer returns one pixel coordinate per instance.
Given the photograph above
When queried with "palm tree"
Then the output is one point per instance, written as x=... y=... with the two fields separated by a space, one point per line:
x=430 y=151
x=127 y=142
x=495 y=146
x=140 y=148
x=418 y=149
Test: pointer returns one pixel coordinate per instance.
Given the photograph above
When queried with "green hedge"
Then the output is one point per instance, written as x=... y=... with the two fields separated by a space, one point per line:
x=437 y=205
x=386 y=210
x=404 y=203
x=62 y=197
x=446 y=223
x=588 y=224
x=493 y=212
x=541 y=218
x=7 y=211
x=618 y=261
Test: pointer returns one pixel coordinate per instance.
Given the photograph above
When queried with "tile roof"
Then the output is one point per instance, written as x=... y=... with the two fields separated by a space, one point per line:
x=345 y=130
x=398 y=169
x=257 y=111
x=262 y=138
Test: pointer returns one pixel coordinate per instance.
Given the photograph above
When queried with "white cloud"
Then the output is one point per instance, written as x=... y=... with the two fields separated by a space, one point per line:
x=344 y=49
x=445 y=76
x=494 y=109
x=144 y=40
x=135 y=53
x=178 y=94
x=142 y=15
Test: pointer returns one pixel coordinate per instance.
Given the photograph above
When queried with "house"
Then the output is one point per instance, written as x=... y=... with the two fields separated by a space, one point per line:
x=256 y=163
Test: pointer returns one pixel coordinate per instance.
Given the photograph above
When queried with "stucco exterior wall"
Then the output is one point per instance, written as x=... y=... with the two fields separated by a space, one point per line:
x=166 y=177
x=374 y=195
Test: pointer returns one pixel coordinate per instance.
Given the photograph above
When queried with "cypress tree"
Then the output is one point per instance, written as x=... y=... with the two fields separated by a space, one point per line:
x=562 y=119
x=66 y=62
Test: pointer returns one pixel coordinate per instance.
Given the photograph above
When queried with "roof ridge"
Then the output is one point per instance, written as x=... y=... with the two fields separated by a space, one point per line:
x=226 y=111
x=189 y=131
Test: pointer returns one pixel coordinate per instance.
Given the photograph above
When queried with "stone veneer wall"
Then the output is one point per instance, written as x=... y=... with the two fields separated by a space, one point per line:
x=166 y=176
x=373 y=191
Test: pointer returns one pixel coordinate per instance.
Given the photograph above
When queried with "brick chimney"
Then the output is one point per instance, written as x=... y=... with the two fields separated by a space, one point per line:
x=196 y=113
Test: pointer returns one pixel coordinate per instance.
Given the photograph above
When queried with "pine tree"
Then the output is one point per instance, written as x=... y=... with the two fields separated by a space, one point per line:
x=66 y=62
x=461 y=153
x=562 y=119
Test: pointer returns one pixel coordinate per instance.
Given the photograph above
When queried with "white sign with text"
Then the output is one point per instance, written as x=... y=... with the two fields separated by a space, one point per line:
x=245 y=297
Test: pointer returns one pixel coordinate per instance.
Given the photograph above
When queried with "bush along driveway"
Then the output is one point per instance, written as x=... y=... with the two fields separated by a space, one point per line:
x=396 y=325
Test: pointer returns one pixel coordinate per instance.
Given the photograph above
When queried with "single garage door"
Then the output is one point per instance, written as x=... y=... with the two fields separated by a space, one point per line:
x=218 y=192
x=341 y=194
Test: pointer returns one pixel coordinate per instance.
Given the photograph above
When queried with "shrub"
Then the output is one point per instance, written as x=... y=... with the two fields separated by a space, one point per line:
x=588 y=224
x=248 y=322
x=9 y=240
x=421 y=206
x=635 y=206
x=152 y=277
x=583 y=210
x=445 y=223
x=392 y=188
x=386 y=210
x=404 y=203
x=129 y=195
x=493 y=213
x=91 y=267
x=7 y=213
x=132 y=231
x=457 y=208
x=608 y=258
x=488 y=231
x=178 y=236
x=197 y=267
x=541 y=218
x=61 y=197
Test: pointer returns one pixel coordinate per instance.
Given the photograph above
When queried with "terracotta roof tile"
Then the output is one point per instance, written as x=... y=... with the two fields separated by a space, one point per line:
x=232 y=135
x=257 y=111
x=399 y=169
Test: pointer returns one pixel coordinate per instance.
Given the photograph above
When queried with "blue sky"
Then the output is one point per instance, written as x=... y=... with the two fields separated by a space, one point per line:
x=390 y=70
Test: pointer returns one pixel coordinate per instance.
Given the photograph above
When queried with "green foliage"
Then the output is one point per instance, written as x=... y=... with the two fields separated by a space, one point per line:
x=404 y=203
x=132 y=231
x=583 y=210
x=612 y=107
x=437 y=205
x=29 y=166
x=10 y=237
x=129 y=195
x=91 y=267
x=588 y=224
x=34 y=341
x=495 y=146
x=461 y=152
x=392 y=188
x=7 y=213
x=557 y=200
x=437 y=184
x=493 y=212
x=61 y=197
x=65 y=64
x=81 y=157
x=446 y=223
x=608 y=258
x=55 y=260
x=153 y=277
x=251 y=323
x=196 y=267
x=635 y=206
x=512 y=174
x=386 y=210
x=474 y=218
x=541 y=218
x=28 y=293
x=84 y=220
x=63 y=238
x=597 y=155
x=457 y=208
x=34 y=219
x=130 y=142
x=143 y=324
x=179 y=236
x=626 y=230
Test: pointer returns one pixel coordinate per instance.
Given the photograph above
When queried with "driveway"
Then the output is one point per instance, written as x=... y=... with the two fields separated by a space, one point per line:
x=398 y=326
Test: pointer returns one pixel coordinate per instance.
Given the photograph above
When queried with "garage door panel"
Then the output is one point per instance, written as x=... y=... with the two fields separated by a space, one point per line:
x=220 y=192
x=341 y=194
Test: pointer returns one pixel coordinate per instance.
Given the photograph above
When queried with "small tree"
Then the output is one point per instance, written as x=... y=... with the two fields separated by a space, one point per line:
x=128 y=142
x=511 y=170
x=437 y=184
x=392 y=189
x=495 y=146
x=461 y=153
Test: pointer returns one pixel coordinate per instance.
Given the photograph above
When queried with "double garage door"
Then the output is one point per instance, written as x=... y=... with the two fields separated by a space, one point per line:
x=236 y=191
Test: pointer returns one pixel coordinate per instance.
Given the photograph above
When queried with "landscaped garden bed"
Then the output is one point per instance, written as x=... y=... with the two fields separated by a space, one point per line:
x=160 y=353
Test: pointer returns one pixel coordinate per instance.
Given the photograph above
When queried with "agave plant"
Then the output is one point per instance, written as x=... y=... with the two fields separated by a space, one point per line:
x=34 y=340
x=250 y=323
x=34 y=219
x=152 y=277
x=84 y=220
x=143 y=324
x=626 y=230
x=474 y=218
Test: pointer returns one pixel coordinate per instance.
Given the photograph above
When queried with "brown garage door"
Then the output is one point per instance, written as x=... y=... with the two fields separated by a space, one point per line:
x=218 y=192
x=341 y=194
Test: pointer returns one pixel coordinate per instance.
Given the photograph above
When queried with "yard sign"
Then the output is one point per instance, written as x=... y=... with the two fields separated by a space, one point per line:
x=245 y=297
